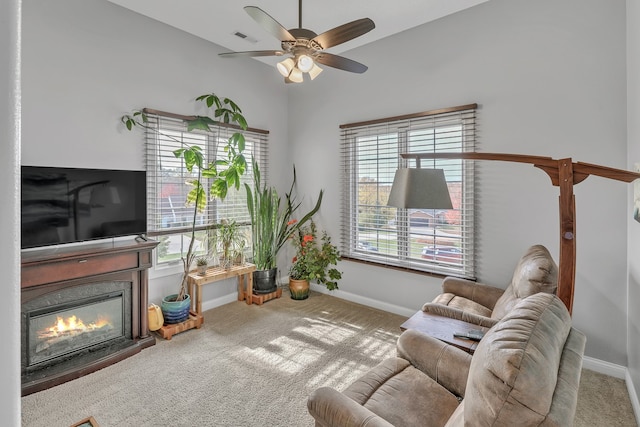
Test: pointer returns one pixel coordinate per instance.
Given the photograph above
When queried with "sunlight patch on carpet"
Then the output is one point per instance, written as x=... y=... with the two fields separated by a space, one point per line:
x=284 y=354
x=338 y=374
x=325 y=332
x=374 y=347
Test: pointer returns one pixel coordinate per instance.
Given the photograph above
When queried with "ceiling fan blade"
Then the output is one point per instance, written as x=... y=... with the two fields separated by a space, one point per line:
x=268 y=23
x=344 y=33
x=253 y=53
x=340 y=62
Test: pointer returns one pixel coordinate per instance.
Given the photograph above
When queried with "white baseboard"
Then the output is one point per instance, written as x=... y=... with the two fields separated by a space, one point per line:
x=606 y=368
x=635 y=403
x=359 y=299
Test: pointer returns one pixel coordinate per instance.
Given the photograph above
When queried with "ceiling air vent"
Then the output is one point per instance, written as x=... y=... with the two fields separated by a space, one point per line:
x=245 y=37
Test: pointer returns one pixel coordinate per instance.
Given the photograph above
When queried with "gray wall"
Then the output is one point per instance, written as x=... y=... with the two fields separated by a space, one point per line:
x=87 y=62
x=633 y=149
x=9 y=219
x=550 y=82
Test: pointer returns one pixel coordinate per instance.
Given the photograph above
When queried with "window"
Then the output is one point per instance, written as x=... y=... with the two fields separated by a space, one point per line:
x=168 y=218
x=436 y=241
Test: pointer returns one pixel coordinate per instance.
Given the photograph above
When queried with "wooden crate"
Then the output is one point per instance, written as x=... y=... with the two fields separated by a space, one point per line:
x=194 y=321
x=261 y=298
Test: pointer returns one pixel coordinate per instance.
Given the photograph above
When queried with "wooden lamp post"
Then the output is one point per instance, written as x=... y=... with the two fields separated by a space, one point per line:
x=564 y=173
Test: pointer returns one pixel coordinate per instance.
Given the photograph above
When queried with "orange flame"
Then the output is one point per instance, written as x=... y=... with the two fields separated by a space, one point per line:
x=73 y=324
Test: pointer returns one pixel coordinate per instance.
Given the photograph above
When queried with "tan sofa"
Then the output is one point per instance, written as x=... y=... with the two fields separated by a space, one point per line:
x=483 y=304
x=525 y=372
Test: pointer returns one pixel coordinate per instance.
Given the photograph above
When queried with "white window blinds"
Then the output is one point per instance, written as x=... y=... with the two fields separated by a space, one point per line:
x=437 y=241
x=167 y=178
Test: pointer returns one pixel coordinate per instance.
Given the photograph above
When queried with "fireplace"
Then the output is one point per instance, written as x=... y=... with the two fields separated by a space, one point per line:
x=74 y=322
x=82 y=310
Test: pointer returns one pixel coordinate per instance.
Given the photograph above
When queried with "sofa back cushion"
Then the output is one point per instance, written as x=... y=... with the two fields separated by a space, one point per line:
x=514 y=371
x=536 y=272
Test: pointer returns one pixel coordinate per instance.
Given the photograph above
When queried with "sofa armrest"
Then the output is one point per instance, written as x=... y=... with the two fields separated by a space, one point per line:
x=445 y=363
x=456 y=313
x=485 y=295
x=331 y=408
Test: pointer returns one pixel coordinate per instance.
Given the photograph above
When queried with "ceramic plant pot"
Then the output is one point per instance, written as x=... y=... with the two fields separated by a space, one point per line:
x=175 y=311
x=264 y=281
x=299 y=289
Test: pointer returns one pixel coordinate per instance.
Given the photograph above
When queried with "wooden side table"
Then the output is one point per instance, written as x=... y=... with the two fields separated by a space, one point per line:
x=242 y=272
x=442 y=328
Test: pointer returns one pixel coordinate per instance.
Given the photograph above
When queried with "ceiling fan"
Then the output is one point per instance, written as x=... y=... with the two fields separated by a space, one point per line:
x=304 y=48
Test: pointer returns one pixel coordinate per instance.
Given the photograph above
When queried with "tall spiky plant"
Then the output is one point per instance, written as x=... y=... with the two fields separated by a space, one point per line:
x=224 y=173
x=271 y=224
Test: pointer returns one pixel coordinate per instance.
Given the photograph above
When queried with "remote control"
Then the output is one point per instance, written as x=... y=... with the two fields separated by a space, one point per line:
x=473 y=334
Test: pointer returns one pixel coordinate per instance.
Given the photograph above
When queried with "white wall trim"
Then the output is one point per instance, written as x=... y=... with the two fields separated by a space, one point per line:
x=635 y=404
x=359 y=299
x=369 y=302
x=606 y=368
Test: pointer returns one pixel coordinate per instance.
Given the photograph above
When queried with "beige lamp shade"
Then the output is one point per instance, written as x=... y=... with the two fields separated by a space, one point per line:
x=296 y=76
x=315 y=71
x=285 y=67
x=420 y=189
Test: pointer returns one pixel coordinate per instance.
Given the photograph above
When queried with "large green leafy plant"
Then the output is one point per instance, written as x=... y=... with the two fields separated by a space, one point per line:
x=222 y=173
x=272 y=221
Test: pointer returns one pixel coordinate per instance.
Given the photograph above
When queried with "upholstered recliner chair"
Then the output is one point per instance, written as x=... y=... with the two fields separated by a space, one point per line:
x=484 y=305
x=525 y=372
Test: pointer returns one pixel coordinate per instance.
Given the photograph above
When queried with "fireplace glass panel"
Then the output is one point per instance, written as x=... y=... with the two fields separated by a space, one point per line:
x=70 y=328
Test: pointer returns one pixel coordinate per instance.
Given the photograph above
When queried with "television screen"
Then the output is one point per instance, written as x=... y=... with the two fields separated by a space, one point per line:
x=65 y=205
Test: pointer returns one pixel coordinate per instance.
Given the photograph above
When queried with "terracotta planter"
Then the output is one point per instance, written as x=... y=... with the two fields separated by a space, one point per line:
x=299 y=289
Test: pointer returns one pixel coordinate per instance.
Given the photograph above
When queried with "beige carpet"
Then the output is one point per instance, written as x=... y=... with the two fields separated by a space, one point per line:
x=255 y=366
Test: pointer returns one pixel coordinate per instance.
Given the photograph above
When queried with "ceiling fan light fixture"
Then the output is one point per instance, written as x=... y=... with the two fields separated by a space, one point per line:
x=296 y=76
x=303 y=46
x=285 y=67
x=305 y=63
x=313 y=73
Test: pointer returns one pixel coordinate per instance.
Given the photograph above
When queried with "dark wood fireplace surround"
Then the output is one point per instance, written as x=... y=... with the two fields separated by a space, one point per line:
x=52 y=269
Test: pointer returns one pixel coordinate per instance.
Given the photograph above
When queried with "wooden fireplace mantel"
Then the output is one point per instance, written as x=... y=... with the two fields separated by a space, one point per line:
x=51 y=269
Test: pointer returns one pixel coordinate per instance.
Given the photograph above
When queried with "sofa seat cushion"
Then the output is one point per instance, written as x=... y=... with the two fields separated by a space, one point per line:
x=461 y=303
x=403 y=395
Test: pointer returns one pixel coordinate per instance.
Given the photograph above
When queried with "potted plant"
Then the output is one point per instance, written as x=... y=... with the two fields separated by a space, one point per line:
x=313 y=260
x=272 y=223
x=230 y=238
x=202 y=263
x=222 y=173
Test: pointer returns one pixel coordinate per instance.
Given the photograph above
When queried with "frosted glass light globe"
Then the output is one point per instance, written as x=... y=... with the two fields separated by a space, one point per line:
x=305 y=63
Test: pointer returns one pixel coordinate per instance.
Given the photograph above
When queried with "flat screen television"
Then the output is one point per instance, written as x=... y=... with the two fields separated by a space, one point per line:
x=67 y=205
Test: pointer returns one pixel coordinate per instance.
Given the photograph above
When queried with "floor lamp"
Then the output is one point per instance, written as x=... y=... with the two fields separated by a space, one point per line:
x=564 y=173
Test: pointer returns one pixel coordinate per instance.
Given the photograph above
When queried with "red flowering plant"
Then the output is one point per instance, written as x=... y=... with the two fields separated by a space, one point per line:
x=314 y=257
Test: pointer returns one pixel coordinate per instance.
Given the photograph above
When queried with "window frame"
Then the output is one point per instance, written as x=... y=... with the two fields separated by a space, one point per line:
x=159 y=148
x=397 y=130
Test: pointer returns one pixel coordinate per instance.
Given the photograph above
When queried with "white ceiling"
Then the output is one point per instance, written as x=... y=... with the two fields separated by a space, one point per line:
x=218 y=20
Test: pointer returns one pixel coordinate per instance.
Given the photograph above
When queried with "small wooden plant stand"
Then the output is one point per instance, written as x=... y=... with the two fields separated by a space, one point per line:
x=195 y=320
x=215 y=274
x=262 y=298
